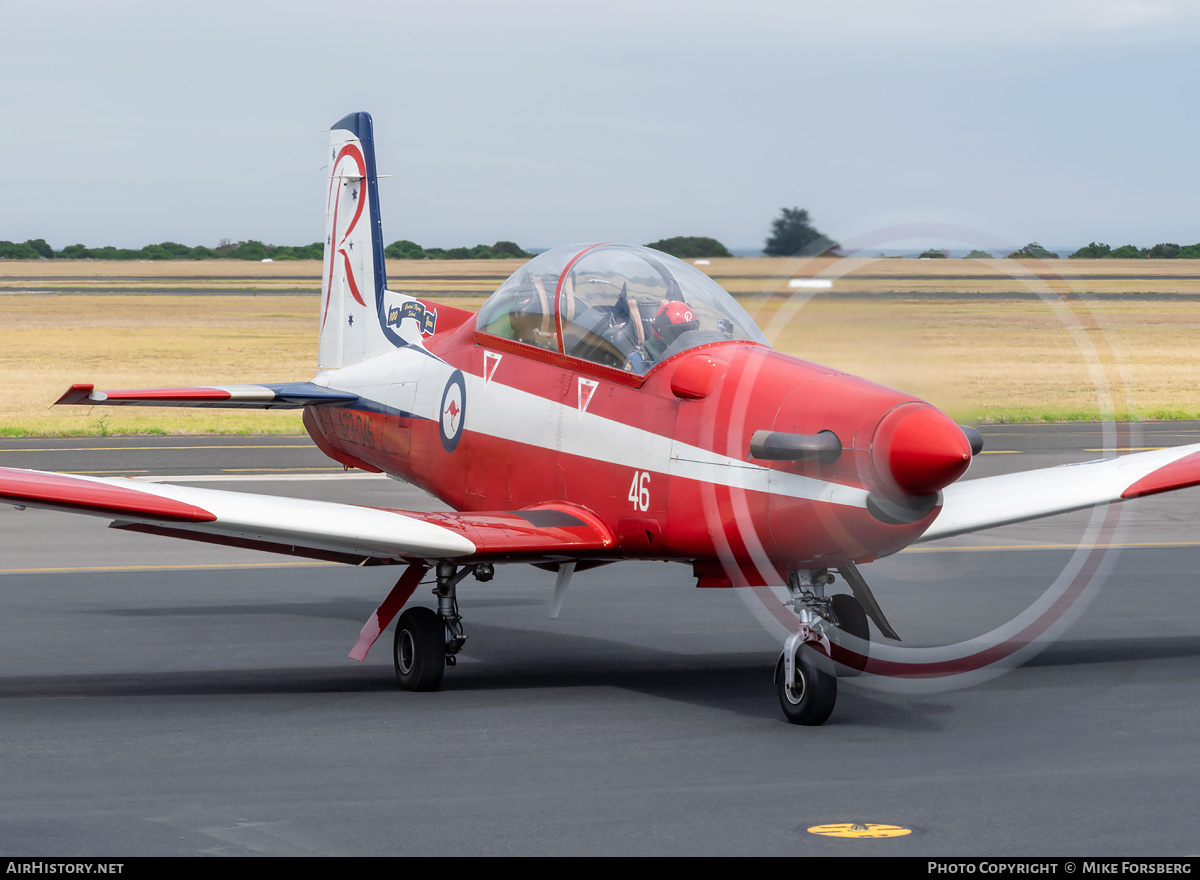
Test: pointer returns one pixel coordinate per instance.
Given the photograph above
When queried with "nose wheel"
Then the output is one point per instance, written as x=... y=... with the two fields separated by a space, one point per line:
x=808 y=695
x=831 y=628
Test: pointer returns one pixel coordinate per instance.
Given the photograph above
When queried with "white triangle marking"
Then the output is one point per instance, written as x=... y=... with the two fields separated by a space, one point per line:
x=491 y=360
x=587 y=387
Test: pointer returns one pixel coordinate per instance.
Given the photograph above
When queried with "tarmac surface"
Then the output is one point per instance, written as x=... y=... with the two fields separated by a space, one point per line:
x=159 y=697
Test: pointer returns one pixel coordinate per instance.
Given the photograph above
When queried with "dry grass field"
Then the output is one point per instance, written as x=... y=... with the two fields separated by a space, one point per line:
x=994 y=339
x=893 y=276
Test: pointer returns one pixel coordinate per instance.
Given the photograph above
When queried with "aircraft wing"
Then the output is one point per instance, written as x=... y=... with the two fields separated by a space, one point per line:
x=971 y=505
x=316 y=529
x=286 y=395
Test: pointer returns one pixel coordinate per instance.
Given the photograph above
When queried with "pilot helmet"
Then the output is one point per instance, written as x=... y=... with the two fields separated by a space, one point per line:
x=673 y=320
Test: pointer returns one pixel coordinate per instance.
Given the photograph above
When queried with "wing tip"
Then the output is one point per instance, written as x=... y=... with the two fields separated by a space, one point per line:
x=1179 y=474
x=79 y=394
x=86 y=495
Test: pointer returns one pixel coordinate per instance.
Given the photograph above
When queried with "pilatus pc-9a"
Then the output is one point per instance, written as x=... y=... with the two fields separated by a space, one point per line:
x=607 y=403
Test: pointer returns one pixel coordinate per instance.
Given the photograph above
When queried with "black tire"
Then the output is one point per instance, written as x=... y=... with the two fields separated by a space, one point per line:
x=809 y=700
x=419 y=650
x=853 y=620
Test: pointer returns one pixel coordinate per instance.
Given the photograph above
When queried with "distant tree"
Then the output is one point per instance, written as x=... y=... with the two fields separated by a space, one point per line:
x=249 y=250
x=12 y=251
x=505 y=249
x=314 y=251
x=978 y=255
x=1033 y=251
x=792 y=233
x=931 y=254
x=43 y=249
x=74 y=252
x=404 y=250
x=154 y=252
x=1127 y=252
x=1092 y=251
x=1190 y=252
x=1164 y=251
x=200 y=252
x=108 y=252
x=689 y=247
x=175 y=250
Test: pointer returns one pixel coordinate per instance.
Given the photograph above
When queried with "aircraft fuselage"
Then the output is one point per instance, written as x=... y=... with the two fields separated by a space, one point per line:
x=485 y=423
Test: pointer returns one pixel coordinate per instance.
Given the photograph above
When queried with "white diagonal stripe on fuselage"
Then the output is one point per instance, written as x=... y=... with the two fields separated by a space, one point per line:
x=507 y=413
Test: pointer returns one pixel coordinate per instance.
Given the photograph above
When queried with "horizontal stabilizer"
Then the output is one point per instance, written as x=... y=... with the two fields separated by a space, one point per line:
x=289 y=395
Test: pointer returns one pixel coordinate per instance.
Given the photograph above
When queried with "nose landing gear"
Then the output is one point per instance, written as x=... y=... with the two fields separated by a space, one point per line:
x=831 y=628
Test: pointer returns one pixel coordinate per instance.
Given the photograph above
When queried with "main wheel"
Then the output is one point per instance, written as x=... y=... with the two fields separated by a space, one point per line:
x=853 y=620
x=420 y=650
x=807 y=699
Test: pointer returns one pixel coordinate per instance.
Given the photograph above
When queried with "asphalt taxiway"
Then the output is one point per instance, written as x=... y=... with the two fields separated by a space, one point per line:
x=167 y=698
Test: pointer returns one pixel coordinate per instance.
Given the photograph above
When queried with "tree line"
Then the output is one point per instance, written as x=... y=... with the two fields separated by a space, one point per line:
x=792 y=234
x=168 y=250
x=1093 y=251
x=1161 y=251
x=37 y=248
x=410 y=250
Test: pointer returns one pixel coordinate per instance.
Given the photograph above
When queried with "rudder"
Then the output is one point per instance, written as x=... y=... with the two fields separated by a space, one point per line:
x=354 y=276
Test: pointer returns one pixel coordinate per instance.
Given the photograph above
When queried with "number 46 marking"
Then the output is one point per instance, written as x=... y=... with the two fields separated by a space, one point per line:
x=639 y=490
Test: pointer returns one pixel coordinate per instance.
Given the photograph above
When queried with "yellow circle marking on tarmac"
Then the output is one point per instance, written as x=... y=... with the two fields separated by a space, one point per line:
x=859 y=830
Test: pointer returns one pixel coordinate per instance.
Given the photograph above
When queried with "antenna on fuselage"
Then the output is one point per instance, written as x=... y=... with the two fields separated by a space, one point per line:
x=565 y=570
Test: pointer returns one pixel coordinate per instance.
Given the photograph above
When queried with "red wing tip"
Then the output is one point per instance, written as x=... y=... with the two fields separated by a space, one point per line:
x=41 y=489
x=1177 y=475
x=77 y=394
x=87 y=394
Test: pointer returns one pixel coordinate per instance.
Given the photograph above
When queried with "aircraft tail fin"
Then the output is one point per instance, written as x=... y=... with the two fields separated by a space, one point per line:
x=354 y=321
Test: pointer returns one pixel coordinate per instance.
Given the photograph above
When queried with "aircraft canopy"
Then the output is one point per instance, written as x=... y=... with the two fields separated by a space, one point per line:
x=618 y=305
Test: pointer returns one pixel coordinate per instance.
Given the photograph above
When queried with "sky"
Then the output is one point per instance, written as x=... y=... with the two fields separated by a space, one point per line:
x=930 y=122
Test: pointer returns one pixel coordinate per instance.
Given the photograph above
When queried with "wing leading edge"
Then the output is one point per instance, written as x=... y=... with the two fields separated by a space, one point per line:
x=287 y=395
x=316 y=529
x=973 y=505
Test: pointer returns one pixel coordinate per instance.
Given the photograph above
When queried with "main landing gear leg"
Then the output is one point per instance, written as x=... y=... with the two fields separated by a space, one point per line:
x=428 y=641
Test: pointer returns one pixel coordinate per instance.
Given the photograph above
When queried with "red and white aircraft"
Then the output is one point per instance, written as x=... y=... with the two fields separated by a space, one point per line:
x=608 y=402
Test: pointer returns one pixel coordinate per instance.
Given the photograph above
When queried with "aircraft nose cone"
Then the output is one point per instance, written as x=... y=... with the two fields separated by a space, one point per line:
x=920 y=448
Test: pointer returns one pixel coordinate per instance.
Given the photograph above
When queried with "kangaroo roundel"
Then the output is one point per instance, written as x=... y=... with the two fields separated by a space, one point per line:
x=453 y=411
